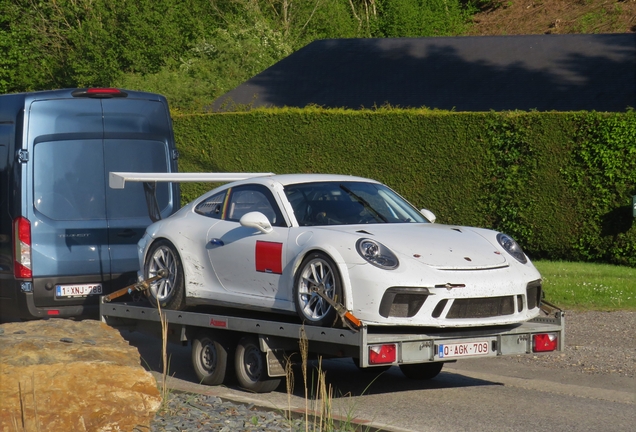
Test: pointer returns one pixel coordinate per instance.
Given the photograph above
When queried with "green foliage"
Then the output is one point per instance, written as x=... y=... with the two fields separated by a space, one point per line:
x=68 y=43
x=401 y=148
x=601 y=171
x=413 y=18
x=512 y=161
x=559 y=183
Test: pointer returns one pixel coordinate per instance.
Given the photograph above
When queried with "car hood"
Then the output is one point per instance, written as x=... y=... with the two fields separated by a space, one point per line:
x=444 y=247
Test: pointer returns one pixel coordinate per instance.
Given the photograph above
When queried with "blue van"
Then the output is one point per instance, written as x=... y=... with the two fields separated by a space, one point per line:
x=65 y=236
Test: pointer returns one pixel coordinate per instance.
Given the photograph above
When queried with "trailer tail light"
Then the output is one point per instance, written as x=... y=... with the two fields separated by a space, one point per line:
x=22 y=248
x=99 y=93
x=382 y=354
x=544 y=342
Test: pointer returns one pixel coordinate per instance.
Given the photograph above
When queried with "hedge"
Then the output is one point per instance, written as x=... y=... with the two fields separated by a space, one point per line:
x=560 y=183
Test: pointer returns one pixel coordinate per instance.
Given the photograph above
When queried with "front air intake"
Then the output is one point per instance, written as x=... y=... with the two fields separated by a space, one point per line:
x=481 y=307
x=403 y=302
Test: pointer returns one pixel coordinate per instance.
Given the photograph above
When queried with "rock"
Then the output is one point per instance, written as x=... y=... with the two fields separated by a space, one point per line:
x=62 y=375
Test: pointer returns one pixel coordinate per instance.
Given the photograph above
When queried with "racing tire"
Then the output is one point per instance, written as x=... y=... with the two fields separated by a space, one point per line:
x=250 y=365
x=169 y=292
x=317 y=269
x=421 y=371
x=211 y=358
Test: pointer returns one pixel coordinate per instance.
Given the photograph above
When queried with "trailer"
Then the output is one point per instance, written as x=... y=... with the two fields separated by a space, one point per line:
x=256 y=348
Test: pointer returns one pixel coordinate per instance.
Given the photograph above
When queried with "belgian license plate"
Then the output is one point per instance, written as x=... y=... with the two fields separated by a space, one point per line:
x=77 y=290
x=464 y=349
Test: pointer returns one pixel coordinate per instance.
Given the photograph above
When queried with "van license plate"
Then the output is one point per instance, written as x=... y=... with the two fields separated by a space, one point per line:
x=77 y=290
x=466 y=349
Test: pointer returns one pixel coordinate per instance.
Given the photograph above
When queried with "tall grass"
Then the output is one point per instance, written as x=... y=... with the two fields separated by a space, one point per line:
x=588 y=286
x=319 y=415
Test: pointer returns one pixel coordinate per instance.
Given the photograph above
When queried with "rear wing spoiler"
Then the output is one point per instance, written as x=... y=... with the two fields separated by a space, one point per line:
x=117 y=180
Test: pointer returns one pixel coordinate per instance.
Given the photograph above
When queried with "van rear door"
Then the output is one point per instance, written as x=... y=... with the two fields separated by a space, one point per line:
x=69 y=230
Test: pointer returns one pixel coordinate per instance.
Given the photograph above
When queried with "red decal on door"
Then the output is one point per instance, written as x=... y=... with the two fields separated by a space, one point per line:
x=269 y=257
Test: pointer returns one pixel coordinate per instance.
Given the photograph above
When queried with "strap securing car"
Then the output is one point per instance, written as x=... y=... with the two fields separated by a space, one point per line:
x=138 y=286
x=347 y=317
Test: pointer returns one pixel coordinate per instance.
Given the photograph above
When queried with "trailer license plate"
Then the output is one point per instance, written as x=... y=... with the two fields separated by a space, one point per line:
x=464 y=349
x=77 y=290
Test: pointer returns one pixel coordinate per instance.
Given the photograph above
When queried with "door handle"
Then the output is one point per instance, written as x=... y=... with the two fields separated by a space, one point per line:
x=126 y=233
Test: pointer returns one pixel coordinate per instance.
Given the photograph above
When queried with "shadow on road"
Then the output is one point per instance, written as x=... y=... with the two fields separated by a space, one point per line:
x=342 y=375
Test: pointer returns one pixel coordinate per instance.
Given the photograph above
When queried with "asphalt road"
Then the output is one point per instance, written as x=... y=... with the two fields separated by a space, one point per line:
x=492 y=394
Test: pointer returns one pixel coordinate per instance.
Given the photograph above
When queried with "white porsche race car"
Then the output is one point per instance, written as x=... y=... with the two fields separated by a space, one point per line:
x=273 y=243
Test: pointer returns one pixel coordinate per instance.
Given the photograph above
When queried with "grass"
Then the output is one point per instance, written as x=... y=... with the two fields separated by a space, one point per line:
x=319 y=415
x=588 y=286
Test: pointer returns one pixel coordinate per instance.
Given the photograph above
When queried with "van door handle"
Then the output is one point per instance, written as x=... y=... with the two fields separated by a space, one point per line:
x=126 y=233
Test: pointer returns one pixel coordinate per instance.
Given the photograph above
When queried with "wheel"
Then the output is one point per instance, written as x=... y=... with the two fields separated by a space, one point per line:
x=421 y=371
x=317 y=270
x=169 y=291
x=251 y=369
x=210 y=355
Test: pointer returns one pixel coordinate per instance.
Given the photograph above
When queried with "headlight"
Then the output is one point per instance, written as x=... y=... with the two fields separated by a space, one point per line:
x=377 y=254
x=512 y=247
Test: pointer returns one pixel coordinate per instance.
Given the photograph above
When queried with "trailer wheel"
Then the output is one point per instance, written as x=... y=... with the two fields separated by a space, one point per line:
x=251 y=369
x=422 y=371
x=169 y=291
x=317 y=270
x=210 y=354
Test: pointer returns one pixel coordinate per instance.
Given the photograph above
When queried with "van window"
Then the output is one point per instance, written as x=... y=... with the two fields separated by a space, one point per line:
x=135 y=156
x=68 y=179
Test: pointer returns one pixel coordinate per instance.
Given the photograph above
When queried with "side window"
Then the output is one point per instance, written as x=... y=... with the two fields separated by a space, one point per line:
x=212 y=207
x=249 y=198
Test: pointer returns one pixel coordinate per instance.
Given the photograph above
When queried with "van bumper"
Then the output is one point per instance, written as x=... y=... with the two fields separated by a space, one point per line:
x=21 y=305
x=30 y=311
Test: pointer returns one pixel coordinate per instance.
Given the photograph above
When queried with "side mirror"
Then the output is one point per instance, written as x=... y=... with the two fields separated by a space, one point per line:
x=429 y=215
x=256 y=220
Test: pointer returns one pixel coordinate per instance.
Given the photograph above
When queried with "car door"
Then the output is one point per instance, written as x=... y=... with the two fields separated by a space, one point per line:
x=245 y=260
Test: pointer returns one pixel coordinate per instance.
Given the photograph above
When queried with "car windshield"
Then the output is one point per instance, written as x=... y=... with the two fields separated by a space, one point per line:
x=349 y=203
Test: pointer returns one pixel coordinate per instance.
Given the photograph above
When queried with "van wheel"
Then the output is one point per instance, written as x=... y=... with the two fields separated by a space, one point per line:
x=169 y=292
x=251 y=367
x=317 y=271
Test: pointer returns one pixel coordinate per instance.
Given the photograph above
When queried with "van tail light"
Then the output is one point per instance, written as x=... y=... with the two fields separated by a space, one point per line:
x=382 y=354
x=22 y=248
x=99 y=93
x=544 y=342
